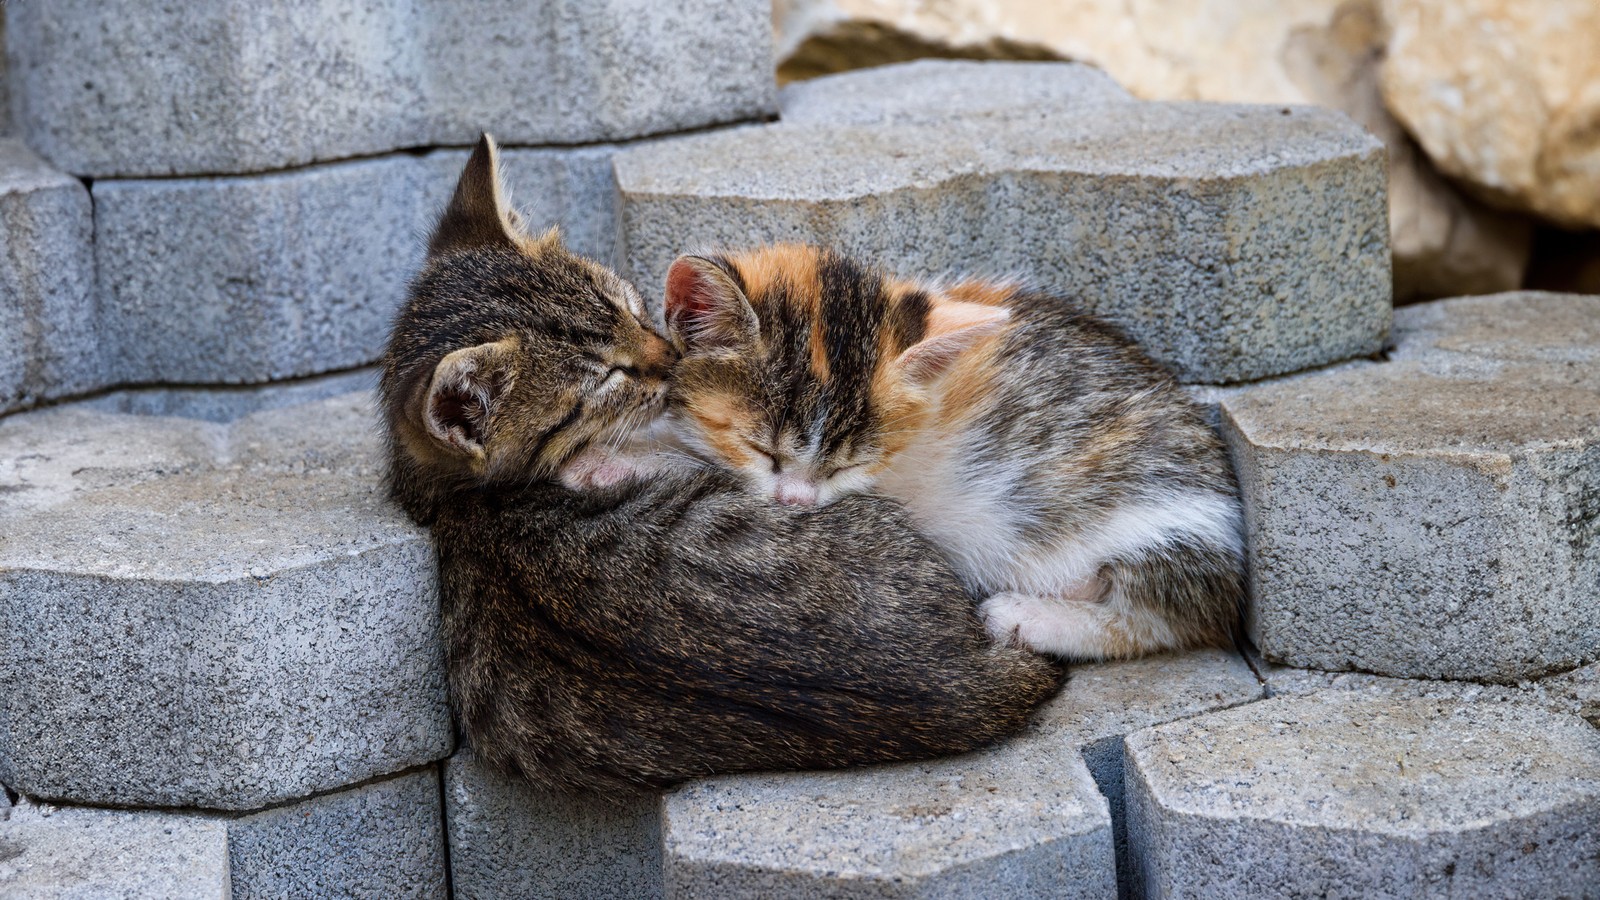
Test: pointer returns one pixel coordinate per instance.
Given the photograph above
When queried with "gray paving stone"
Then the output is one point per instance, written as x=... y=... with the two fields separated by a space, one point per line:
x=509 y=839
x=383 y=840
x=1234 y=242
x=49 y=343
x=163 y=89
x=1437 y=515
x=1020 y=820
x=1104 y=702
x=1344 y=795
x=1576 y=692
x=259 y=277
x=930 y=91
x=48 y=854
x=208 y=614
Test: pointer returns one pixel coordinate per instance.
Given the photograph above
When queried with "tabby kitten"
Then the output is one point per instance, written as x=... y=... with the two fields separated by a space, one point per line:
x=1066 y=475
x=636 y=635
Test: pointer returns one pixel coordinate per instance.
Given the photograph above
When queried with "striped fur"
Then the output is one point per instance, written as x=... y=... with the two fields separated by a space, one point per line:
x=633 y=635
x=1066 y=475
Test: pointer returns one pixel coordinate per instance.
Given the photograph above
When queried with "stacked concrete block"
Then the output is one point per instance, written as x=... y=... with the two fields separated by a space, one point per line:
x=1233 y=242
x=1436 y=515
x=1020 y=820
x=210 y=615
x=379 y=840
x=1038 y=816
x=236 y=86
x=1576 y=692
x=49 y=334
x=1340 y=794
x=49 y=854
x=383 y=839
x=510 y=839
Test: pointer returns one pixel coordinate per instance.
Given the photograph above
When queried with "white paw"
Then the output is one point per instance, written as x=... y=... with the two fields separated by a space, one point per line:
x=1019 y=619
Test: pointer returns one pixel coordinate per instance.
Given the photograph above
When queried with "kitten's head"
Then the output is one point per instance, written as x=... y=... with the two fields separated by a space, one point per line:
x=805 y=372
x=511 y=354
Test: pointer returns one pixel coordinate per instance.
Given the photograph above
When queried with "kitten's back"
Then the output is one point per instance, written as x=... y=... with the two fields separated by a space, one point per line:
x=645 y=635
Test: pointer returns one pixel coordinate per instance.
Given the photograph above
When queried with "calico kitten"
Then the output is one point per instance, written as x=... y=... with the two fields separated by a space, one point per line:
x=643 y=633
x=1066 y=475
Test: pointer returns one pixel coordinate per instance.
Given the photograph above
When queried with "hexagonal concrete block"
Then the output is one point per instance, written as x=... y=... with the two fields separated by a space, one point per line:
x=383 y=839
x=379 y=840
x=509 y=839
x=1338 y=794
x=1437 y=515
x=49 y=336
x=1103 y=702
x=1233 y=242
x=220 y=615
x=1020 y=820
x=158 y=89
x=48 y=854
x=931 y=91
x=258 y=277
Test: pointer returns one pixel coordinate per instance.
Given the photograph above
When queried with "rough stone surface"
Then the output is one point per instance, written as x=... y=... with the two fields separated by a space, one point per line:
x=182 y=90
x=937 y=91
x=1505 y=96
x=220 y=615
x=258 y=277
x=1324 y=52
x=509 y=839
x=1575 y=693
x=1020 y=820
x=48 y=854
x=969 y=826
x=1103 y=702
x=1459 y=538
x=1233 y=242
x=1341 y=795
x=382 y=840
x=48 y=331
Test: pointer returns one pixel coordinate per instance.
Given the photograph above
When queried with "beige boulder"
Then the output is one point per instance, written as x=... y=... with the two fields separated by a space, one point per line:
x=1326 y=52
x=1505 y=96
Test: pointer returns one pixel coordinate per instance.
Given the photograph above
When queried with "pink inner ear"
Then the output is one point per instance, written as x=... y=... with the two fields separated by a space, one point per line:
x=690 y=294
x=953 y=329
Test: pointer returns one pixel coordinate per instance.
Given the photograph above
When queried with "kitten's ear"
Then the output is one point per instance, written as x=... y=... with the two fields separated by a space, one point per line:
x=954 y=327
x=463 y=392
x=706 y=310
x=478 y=215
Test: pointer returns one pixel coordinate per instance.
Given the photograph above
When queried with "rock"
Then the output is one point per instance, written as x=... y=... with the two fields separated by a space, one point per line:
x=509 y=839
x=1340 y=794
x=1020 y=820
x=48 y=854
x=1504 y=96
x=1152 y=214
x=384 y=839
x=173 y=90
x=1438 y=515
x=49 y=336
x=258 y=277
x=219 y=615
x=1325 y=52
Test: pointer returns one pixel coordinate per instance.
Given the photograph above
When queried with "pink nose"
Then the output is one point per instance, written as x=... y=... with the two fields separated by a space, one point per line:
x=794 y=492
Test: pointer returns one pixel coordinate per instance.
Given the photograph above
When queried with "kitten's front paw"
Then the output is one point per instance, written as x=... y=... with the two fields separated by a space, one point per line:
x=593 y=469
x=1017 y=619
